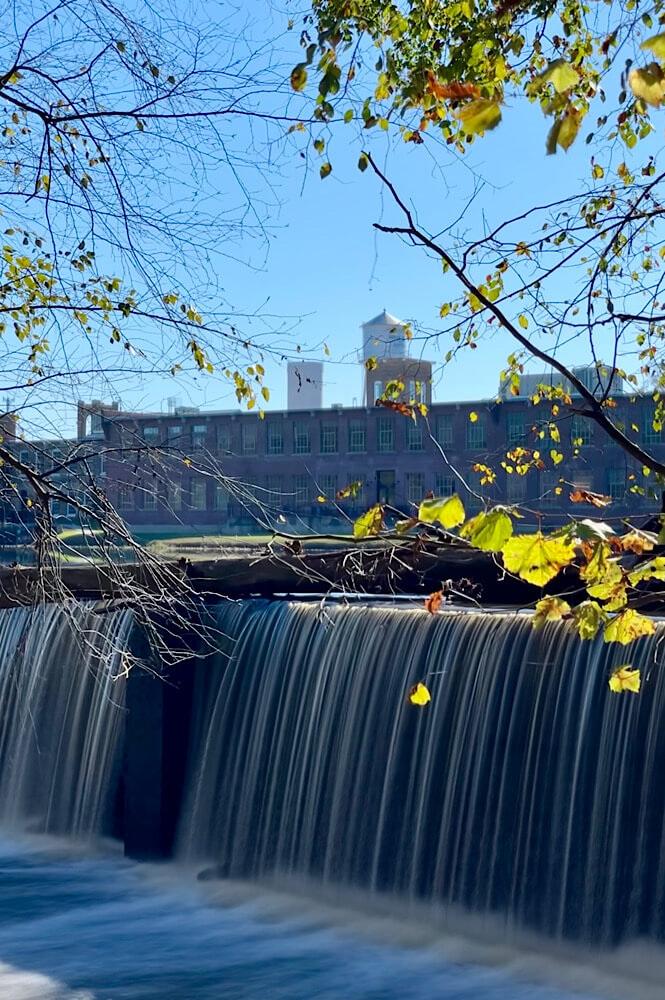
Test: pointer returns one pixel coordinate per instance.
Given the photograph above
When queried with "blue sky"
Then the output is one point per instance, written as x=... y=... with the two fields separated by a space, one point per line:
x=326 y=270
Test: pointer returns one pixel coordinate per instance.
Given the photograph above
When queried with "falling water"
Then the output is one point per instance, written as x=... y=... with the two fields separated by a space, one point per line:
x=526 y=789
x=61 y=718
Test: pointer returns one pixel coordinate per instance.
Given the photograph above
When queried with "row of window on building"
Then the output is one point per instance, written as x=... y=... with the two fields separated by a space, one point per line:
x=293 y=492
x=329 y=434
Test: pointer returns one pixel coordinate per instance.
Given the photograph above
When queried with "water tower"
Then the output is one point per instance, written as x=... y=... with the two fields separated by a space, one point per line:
x=385 y=341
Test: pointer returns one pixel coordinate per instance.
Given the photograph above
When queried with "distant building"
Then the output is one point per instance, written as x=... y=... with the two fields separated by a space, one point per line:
x=596 y=378
x=385 y=356
x=304 y=385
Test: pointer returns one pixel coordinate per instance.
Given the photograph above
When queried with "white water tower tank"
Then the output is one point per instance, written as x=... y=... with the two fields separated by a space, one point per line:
x=383 y=337
x=305 y=385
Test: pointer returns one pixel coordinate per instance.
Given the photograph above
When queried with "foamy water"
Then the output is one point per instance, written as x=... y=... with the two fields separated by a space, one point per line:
x=104 y=929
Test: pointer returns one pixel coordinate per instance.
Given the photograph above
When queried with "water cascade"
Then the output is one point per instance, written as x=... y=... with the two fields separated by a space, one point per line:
x=61 y=719
x=526 y=789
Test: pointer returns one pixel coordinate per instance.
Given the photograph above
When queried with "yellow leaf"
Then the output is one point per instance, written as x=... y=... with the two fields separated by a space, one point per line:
x=478 y=116
x=298 y=77
x=597 y=172
x=560 y=74
x=537 y=558
x=656 y=44
x=369 y=523
x=419 y=694
x=648 y=83
x=627 y=626
x=625 y=679
x=489 y=530
x=448 y=511
x=550 y=609
x=473 y=417
x=320 y=499
x=587 y=619
x=654 y=569
x=564 y=131
x=187 y=462
x=523 y=322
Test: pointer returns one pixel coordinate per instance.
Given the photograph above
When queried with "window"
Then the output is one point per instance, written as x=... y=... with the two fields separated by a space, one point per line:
x=444 y=430
x=549 y=484
x=414 y=436
x=475 y=435
x=198 y=495
x=175 y=496
x=274 y=490
x=384 y=434
x=357 y=437
x=150 y=435
x=275 y=441
x=248 y=439
x=415 y=486
x=199 y=434
x=515 y=488
x=328 y=439
x=223 y=439
x=96 y=423
x=24 y=456
x=125 y=498
x=328 y=486
x=649 y=434
x=301 y=490
x=446 y=484
x=174 y=433
x=412 y=389
x=581 y=432
x=515 y=430
x=301 y=442
x=378 y=389
x=616 y=482
x=222 y=497
x=150 y=499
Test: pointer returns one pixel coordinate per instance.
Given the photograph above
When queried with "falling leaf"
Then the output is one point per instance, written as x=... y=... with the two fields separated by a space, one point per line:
x=478 y=116
x=450 y=91
x=369 y=523
x=298 y=77
x=537 y=558
x=391 y=404
x=489 y=530
x=550 y=609
x=448 y=511
x=580 y=495
x=627 y=626
x=648 y=83
x=349 y=491
x=625 y=679
x=419 y=694
x=433 y=602
x=564 y=131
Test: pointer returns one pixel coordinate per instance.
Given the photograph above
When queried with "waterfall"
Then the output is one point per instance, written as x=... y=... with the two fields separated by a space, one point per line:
x=526 y=789
x=61 y=718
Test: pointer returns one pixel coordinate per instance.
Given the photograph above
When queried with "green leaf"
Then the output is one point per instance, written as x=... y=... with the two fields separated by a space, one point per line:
x=449 y=512
x=369 y=523
x=656 y=44
x=537 y=558
x=648 y=83
x=325 y=170
x=478 y=116
x=587 y=619
x=550 y=609
x=363 y=162
x=654 y=569
x=560 y=74
x=564 y=131
x=489 y=530
x=628 y=626
x=299 y=77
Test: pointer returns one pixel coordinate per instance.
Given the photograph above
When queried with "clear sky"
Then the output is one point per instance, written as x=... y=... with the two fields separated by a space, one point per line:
x=326 y=270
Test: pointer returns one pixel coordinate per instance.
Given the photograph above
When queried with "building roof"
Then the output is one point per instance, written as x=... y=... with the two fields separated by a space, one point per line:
x=384 y=319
